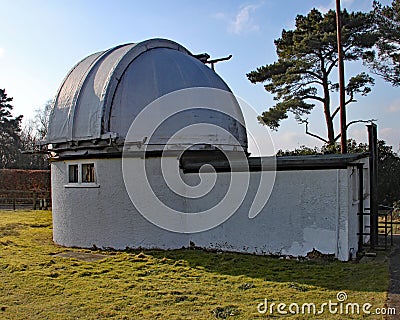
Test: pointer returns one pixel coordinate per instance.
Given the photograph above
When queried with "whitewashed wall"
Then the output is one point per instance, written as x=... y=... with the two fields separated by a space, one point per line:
x=309 y=209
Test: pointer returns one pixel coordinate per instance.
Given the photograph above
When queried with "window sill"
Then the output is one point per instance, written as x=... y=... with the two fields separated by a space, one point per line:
x=82 y=185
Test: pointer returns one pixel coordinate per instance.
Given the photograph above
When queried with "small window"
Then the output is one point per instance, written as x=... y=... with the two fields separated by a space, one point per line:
x=81 y=175
x=88 y=173
x=73 y=173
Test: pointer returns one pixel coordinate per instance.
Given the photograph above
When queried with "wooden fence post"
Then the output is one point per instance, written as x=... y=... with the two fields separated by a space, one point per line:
x=34 y=200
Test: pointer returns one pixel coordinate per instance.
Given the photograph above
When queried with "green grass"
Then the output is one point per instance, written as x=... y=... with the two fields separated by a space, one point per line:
x=154 y=284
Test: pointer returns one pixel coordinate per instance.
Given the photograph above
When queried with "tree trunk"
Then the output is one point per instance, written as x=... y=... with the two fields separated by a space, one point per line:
x=329 y=126
x=327 y=113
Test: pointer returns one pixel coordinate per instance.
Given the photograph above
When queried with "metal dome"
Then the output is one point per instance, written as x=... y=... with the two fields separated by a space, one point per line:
x=103 y=94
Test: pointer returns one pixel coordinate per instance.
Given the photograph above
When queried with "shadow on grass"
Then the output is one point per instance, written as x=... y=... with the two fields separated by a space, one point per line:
x=333 y=275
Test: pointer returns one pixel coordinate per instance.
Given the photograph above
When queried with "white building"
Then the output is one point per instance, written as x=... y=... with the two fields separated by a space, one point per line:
x=98 y=201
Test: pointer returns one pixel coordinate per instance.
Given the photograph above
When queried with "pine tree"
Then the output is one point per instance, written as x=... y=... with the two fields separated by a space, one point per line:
x=10 y=129
x=307 y=57
x=386 y=63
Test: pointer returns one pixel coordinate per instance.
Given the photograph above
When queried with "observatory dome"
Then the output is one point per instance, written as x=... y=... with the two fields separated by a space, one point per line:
x=103 y=94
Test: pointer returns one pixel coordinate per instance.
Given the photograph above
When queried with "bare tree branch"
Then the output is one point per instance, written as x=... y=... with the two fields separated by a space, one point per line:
x=353 y=122
x=360 y=121
x=312 y=134
x=338 y=108
x=335 y=112
x=313 y=98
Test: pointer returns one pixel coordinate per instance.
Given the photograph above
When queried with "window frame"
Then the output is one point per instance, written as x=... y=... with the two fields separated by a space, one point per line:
x=92 y=174
x=69 y=166
x=80 y=183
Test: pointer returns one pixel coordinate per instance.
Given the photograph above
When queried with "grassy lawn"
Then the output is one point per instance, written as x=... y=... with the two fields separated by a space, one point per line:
x=38 y=283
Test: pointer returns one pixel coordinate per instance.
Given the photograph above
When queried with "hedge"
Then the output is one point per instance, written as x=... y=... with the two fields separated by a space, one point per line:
x=25 y=180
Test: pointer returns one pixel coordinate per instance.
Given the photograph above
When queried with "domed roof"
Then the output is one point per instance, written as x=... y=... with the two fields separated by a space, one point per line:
x=103 y=94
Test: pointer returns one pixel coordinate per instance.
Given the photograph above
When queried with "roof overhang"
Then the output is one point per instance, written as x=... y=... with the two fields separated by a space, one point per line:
x=192 y=162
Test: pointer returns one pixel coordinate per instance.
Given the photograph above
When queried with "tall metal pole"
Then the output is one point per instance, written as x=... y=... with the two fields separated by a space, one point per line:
x=343 y=122
x=373 y=188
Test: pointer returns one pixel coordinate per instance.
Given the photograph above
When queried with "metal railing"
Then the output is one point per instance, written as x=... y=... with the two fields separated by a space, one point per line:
x=385 y=227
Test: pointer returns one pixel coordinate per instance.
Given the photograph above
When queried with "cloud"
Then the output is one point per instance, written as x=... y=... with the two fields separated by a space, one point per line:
x=358 y=133
x=386 y=131
x=391 y=136
x=394 y=107
x=290 y=140
x=242 y=21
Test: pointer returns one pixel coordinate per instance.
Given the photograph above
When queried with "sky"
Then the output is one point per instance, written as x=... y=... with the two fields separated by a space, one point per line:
x=41 y=40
